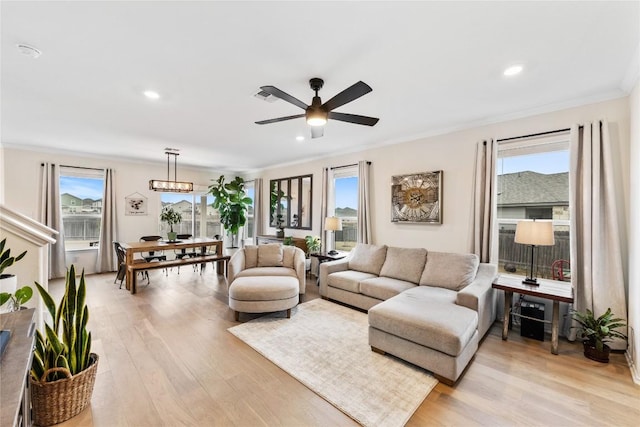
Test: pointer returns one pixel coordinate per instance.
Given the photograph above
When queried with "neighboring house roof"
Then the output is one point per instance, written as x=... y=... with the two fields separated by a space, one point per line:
x=529 y=188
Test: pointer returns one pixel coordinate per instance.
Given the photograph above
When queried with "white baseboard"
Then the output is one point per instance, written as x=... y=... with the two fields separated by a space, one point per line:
x=635 y=374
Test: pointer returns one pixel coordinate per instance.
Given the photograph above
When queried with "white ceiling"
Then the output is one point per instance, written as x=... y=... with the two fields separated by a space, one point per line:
x=433 y=67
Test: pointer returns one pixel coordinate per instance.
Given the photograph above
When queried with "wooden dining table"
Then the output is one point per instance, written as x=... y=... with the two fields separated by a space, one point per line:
x=164 y=245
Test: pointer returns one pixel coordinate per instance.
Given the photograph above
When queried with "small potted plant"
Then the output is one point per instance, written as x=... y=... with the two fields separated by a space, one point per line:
x=313 y=244
x=595 y=332
x=16 y=300
x=171 y=217
x=279 y=225
x=8 y=282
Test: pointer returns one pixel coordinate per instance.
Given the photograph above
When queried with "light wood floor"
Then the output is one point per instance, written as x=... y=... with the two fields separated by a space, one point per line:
x=166 y=358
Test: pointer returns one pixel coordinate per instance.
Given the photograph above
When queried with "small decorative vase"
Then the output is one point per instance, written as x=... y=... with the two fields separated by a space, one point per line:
x=172 y=236
x=280 y=233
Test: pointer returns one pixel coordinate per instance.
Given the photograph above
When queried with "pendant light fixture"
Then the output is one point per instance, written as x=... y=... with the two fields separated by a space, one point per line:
x=170 y=186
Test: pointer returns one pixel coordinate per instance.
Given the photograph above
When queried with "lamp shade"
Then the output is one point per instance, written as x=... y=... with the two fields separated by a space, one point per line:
x=537 y=233
x=332 y=223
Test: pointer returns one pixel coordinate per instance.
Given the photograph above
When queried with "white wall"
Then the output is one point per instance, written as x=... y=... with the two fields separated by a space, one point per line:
x=454 y=154
x=634 y=235
x=21 y=175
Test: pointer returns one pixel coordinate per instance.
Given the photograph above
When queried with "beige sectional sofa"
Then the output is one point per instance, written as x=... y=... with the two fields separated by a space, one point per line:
x=429 y=308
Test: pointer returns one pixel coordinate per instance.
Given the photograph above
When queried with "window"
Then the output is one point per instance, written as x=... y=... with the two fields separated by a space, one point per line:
x=533 y=183
x=343 y=203
x=203 y=221
x=81 y=193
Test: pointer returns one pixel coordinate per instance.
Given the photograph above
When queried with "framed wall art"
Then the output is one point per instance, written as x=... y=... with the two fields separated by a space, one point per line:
x=135 y=205
x=417 y=198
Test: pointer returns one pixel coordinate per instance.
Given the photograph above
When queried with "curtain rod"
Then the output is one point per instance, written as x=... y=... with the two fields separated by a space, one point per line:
x=345 y=166
x=534 y=134
x=82 y=167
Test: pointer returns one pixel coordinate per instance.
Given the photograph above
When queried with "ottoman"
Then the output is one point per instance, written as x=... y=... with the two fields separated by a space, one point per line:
x=263 y=294
x=438 y=336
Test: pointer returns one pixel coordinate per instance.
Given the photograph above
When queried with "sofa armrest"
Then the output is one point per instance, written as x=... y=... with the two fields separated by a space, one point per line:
x=236 y=265
x=327 y=268
x=480 y=296
x=301 y=271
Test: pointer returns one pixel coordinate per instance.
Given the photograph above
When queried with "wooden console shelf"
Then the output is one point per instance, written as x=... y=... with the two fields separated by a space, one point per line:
x=297 y=241
x=15 y=403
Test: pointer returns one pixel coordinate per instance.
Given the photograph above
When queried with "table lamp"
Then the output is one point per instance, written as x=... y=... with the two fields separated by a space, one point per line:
x=333 y=224
x=534 y=233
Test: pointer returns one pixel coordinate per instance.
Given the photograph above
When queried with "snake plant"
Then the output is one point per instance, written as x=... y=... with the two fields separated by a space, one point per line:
x=66 y=343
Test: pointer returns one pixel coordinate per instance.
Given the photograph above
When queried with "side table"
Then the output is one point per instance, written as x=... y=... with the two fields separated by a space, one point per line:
x=547 y=289
x=325 y=257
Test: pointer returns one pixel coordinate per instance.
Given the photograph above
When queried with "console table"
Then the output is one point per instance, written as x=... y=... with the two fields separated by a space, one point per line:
x=15 y=398
x=297 y=241
x=547 y=289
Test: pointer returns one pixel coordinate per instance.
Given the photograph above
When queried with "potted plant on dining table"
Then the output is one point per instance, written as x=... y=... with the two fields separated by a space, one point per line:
x=171 y=217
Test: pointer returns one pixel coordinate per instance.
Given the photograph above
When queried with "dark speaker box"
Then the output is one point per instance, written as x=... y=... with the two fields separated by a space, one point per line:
x=531 y=328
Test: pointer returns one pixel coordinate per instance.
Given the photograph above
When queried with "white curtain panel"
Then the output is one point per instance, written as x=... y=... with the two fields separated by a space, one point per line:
x=51 y=216
x=107 y=260
x=257 y=209
x=596 y=255
x=324 y=207
x=483 y=199
x=364 y=209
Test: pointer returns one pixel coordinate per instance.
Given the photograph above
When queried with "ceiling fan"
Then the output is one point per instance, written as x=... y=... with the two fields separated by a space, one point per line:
x=318 y=113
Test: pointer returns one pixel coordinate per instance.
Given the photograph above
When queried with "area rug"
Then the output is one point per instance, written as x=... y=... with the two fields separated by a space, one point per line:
x=325 y=346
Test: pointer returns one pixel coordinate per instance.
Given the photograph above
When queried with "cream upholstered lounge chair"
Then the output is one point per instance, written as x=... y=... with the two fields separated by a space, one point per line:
x=266 y=278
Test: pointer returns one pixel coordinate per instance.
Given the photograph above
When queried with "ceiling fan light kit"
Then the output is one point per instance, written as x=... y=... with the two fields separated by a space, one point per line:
x=318 y=113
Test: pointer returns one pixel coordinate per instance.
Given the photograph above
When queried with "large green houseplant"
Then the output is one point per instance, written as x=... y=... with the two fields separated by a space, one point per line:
x=595 y=332
x=63 y=369
x=171 y=217
x=232 y=202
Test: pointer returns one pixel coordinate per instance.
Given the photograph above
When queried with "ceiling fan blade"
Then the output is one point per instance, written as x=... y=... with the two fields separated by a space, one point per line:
x=284 y=96
x=353 y=118
x=317 y=131
x=349 y=94
x=279 y=119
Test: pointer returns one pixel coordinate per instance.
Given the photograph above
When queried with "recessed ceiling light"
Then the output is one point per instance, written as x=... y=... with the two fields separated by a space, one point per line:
x=299 y=138
x=151 y=94
x=29 y=51
x=513 y=70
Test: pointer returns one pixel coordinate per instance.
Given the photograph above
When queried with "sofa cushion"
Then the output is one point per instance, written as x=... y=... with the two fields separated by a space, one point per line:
x=449 y=270
x=250 y=256
x=263 y=288
x=367 y=258
x=411 y=315
x=348 y=280
x=384 y=287
x=288 y=253
x=404 y=264
x=270 y=255
x=267 y=271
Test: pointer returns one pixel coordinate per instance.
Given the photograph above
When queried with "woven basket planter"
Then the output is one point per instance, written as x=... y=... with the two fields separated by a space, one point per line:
x=57 y=401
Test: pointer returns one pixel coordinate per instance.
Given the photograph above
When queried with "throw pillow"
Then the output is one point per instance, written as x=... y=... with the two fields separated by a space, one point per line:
x=250 y=256
x=367 y=258
x=404 y=264
x=449 y=270
x=270 y=255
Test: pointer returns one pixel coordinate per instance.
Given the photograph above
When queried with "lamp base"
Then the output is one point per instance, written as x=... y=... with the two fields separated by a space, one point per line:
x=531 y=282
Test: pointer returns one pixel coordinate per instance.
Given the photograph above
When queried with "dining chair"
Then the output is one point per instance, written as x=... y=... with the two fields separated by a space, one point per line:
x=121 y=254
x=153 y=255
x=183 y=252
